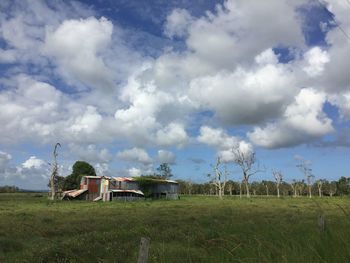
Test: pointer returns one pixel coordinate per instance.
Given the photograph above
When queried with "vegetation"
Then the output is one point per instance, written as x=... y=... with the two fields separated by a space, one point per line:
x=192 y=229
x=295 y=188
x=80 y=168
x=164 y=171
x=9 y=189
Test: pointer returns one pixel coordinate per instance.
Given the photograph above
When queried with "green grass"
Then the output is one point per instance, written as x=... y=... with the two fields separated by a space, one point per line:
x=193 y=229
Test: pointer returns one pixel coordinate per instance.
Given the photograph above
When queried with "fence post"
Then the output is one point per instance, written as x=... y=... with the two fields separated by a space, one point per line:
x=321 y=223
x=144 y=248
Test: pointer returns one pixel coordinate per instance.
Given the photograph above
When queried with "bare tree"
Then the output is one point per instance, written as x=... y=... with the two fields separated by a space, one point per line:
x=240 y=189
x=267 y=190
x=189 y=186
x=279 y=178
x=304 y=167
x=248 y=164
x=300 y=187
x=319 y=186
x=220 y=178
x=54 y=172
x=294 y=186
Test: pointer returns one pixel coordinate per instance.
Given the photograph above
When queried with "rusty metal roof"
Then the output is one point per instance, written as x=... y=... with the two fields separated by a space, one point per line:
x=123 y=179
x=128 y=191
x=74 y=193
x=92 y=177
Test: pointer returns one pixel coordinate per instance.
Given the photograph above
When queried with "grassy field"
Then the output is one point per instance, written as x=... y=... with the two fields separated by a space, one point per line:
x=193 y=229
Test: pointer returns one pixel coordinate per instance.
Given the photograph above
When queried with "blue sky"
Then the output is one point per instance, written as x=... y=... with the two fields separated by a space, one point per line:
x=126 y=85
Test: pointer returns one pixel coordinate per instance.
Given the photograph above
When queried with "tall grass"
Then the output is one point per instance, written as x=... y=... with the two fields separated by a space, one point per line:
x=193 y=229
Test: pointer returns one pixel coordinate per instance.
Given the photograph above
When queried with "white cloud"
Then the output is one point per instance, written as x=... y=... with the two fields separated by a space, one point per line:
x=33 y=162
x=4 y=161
x=166 y=157
x=135 y=155
x=242 y=29
x=91 y=153
x=223 y=143
x=316 y=60
x=77 y=47
x=133 y=172
x=217 y=138
x=172 y=134
x=177 y=23
x=302 y=122
x=102 y=169
x=229 y=155
x=247 y=96
x=88 y=122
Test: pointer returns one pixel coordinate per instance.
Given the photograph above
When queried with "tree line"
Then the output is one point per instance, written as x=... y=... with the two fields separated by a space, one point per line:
x=295 y=188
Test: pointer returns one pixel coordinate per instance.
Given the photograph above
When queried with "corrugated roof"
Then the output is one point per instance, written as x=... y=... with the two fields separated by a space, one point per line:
x=128 y=191
x=123 y=179
x=74 y=193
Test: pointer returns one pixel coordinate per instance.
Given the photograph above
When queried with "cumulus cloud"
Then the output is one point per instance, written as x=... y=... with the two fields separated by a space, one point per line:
x=135 y=155
x=166 y=157
x=33 y=172
x=302 y=122
x=177 y=23
x=76 y=45
x=246 y=96
x=223 y=143
x=91 y=153
x=33 y=163
x=4 y=161
x=316 y=60
x=73 y=77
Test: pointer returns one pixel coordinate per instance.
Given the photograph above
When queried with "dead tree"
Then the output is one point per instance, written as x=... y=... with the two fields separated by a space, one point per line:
x=240 y=189
x=54 y=172
x=319 y=186
x=220 y=178
x=279 y=178
x=294 y=186
x=267 y=190
x=304 y=167
x=300 y=187
x=248 y=164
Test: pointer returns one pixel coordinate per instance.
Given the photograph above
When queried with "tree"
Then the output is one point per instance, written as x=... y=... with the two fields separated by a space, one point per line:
x=165 y=171
x=343 y=186
x=248 y=164
x=319 y=186
x=279 y=178
x=332 y=188
x=59 y=183
x=304 y=167
x=80 y=168
x=54 y=172
x=294 y=186
x=220 y=178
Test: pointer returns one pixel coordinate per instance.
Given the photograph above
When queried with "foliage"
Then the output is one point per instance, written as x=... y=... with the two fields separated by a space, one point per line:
x=59 y=182
x=343 y=186
x=164 y=171
x=8 y=189
x=80 y=168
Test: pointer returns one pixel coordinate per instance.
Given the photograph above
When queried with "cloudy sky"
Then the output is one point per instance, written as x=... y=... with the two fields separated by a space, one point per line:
x=126 y=85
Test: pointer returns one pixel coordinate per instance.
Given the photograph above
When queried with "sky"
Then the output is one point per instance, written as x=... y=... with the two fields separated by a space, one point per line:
x=127 y=85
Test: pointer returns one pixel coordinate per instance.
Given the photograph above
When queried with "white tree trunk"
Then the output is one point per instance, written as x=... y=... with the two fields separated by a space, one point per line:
x=247 y=187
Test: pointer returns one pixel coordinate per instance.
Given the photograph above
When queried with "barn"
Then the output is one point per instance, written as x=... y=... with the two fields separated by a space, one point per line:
x=95 y=188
